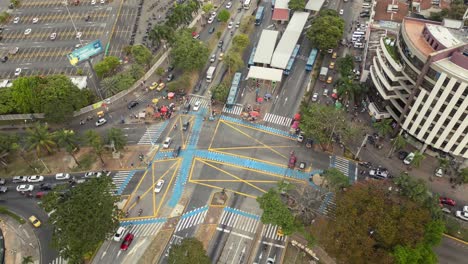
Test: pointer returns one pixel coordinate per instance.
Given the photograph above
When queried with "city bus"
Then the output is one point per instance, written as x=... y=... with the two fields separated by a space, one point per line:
x=259 y=15
x=311 y=60
x=246 y=4
x=231 y=100
x=252 y=55
x=291 y=60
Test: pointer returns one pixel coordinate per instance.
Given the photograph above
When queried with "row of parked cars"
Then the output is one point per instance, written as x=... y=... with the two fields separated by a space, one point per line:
x=462 y=214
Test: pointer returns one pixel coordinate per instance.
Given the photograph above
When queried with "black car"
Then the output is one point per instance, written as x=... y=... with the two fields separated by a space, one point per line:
x=170 y=77
x=46 y=186
x=170 y=68
x=4 y=58
x=197 y=87
x=187 y=108
x=132 y=104
x=185 y=126
x=220 y=43
x=211 y=30
x=176 y=152
x=402 y=154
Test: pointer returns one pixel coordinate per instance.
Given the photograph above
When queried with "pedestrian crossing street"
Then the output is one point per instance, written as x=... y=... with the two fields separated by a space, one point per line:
x=277 y=119
x=234 y=110
x=144 y=227
x=59 y=260
x=192 y=218
x=152 y=134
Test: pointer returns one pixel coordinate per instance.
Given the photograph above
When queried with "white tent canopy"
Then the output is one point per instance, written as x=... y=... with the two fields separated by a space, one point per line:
x=263 y=73
x=266 y=46
x=314 y=5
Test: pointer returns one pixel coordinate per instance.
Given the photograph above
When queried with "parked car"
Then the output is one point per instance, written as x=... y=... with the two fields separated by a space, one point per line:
x=230 y=25
x=17 y=71
x=161 y=87
x=237 y=24
x=379 y=174
x=447 y=201
x=101 y=121
x=3 y=181
x=159 y=186
x=334 y=55
x=35 y=178
x=170 y=77
x=462 y=215
x=154 y=85
x=330 y=79
x=221 y=56
x=79 y=34
x=439 y=172
x=46 y=186
x=62 y=176
x=3 y=189
x=18 y=179
x=210 y=20
x=127 y=241
x=119 y=233
x=53 y=36
x=167 y=142
x=16 y=20
x=132 y=104
x=228 y=5
x=25 y=188
x=314 y=97
x=34 y=221
x=409 y=159
x=332 y=65
x=341 y=11
x=35 y=20
x=213 y=58
x=211 y=30
x=220 y=43
x=402 y=154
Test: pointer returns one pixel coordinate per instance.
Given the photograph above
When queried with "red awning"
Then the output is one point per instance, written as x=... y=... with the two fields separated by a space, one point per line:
x=164 y=109
x=280 y=14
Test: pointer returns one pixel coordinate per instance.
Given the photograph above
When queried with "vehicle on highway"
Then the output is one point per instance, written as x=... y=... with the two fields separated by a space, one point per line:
x=62 y=176
x=447 y=201
x=101 y=121
x=161 y=86
x=210 y=20
x=34 y=221
x=330 y=79
x=79 y=34
x=27 y=31
x=127 y=241
x=154 y=85
x=213 y=58
x=16 y=20
x=220 y=43
x=176 y=152
x=314 y=97
x=3 y=189
x=462 y=215
x=119 y=233
x=53 y=36
x=18 y=179
x=132 y=104
x=17 y=71
x=35 y=178
x=341 y=11
x=196 y=106
x=2 y=181
x=185 y=126
x=221 y=56
x=237 y=24
x=409 y=159
x=25 y=188
x=35 y=20
x=46 y=186
x=332 y=65
x=167 y=142
x=159 y=186
x=211 y=30
x=228 y=5
x=170 y=77
x=230 y=25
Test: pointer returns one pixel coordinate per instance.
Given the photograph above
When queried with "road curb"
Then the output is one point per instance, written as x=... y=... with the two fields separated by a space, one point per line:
x=455 y=238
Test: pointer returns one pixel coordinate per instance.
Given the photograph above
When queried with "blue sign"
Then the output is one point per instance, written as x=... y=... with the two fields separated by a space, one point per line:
x=79 y=55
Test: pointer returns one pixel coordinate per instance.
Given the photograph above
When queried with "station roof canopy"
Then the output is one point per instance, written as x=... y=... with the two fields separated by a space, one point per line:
x=266 y=46
x=282 y=4
x=263 y=73
x=289 y=40
x=314 y=5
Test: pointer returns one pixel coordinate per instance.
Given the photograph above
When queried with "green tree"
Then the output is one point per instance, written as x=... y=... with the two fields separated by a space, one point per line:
x=94 y=140
x=128 y=50
x=462 y=177
x=69 y=140
x=336 y=179
x=345 y=65
x=116 y=136
x=456 y=11
x=419 y=254
x=39 y=139
x=224 y=15
x=25 y=91
x=414 y=189
x=370 y=222
x=434 y=232
x=189 y=54
x=221 y=92
x=160 y=71
x=27 y=260
x=107 y=66
x=219 y=34
x=326 y=30
x=84 y=217
x=233 y=61
x=189 y=251
x=276 y=212
x=400 y=142
x=8 y=142
x=418 y=158
x=142 y=55
x=15 y=3
x=207 y=8
x=384 y=126
x=296 y=5
x=8 y=105
x=349 y=88
x=4 y=17
x=136 y=71
x=114 y=84
x=240 y=42
x=161 y=32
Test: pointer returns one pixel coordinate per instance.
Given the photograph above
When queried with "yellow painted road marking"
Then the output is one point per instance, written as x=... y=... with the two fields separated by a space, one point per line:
x=174 y=175
x=257 y=129
x=251 y=147
x=215 y=133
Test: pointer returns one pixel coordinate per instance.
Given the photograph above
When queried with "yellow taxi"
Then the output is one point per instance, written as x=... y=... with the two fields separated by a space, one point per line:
x=334 y=55
x=34 y=221
x=153 y=86
x=161 y=86
x=221 y=56
x=280 y=232
x=330 y=79
x=332 y=65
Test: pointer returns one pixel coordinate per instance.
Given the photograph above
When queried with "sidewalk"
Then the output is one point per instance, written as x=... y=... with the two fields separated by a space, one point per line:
x=20 y=241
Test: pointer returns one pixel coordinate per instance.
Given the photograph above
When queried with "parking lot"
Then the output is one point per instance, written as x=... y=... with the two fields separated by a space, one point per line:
x=44 y=33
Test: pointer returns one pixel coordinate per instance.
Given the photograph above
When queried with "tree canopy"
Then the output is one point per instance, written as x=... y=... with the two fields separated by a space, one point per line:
x=142 y=55
x=456 y=11
x=207 y=8
x=190 y=251
x=189 y=54
x=117 y=137
x=84 y=216
x=296 y=5
x=240 y=42
x=336 y=179
x=106 y=66
x=345 y=65
x=326 y=30
x=276 y=212
x=224 y=15
x=221 y=92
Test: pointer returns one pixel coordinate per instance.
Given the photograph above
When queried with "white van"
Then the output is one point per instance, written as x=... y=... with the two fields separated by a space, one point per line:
x=366 y=5
x=358 y=33
x=409 y=159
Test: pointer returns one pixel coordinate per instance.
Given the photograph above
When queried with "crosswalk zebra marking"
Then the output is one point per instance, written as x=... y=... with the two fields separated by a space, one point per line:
x=152 y=134
x=271 y=231
x=192 y=218
x=234 y=110
x=277 y=119
x=59 y=260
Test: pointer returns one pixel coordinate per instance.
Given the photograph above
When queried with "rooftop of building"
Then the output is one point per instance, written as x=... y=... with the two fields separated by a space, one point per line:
x=397 y=16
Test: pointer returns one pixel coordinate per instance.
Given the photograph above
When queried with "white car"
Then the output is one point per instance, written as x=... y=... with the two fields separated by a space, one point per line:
x=35 y=178
x=230 y=25
x=90 y=174
x=18 y=179
x=228 y=5
x=16 y=20
x=62 y=176
x=103 y=1
x=378 y=174
x=167 y=142
x=315 y=97
x=465 y=208
x=35 y=20
x=409 y=159
x=237 y=24
x=211 y=19
x=53 y=36
x=213 y=58
x=25 y=188
x=93 y=2
x=101 y=122
x=119 y=234
x=159 y=186
x=462 y=215
x=196 y=106
x=27 y=31
x=341 y=11
x=17 y=71
x=439 y=172
x=79 y=34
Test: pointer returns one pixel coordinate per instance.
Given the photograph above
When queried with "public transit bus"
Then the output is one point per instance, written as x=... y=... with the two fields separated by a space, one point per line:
x=252 y=55
x=231 y=100
x=246 y=4
x=291 y=60
x=311 y=60
x=259 y=15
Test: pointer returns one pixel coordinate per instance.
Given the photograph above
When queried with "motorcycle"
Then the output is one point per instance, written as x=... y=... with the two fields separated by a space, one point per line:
x=140 y=212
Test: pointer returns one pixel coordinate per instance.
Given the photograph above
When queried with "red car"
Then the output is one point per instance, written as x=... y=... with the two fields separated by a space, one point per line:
x=127 y=241
x=447 y=201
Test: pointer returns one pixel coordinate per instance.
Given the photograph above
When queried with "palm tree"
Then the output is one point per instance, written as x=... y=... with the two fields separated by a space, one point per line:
x=95 y=141
x=117 y=137
x=110 y=85
x=39 y=138
x=400 y=142
x=233 y=61
x=349 y=88
x=384 y=126
x=68 y=140
x=27 y=260
x=418 y=158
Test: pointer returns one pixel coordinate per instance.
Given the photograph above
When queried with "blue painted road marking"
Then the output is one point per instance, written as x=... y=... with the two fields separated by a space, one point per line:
x=239 y=212
x=258 y=126
x=194 y=212
x=126 y=181
x=143 y=221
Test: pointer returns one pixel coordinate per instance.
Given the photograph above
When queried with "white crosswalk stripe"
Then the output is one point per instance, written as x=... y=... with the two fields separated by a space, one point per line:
x=234 y=110
x=277 y=119
x=144 y=230
x=192 y=220
x=238 y=222
x=204 y=103
x=342 y=165
x=151 y=135
x=120 y=178
x=271 y=231
x=59 y=260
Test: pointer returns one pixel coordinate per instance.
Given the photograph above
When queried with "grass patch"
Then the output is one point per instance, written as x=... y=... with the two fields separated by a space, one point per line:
x=391 y=49
x=18 y=218
x=86 y=162
x=455 y=229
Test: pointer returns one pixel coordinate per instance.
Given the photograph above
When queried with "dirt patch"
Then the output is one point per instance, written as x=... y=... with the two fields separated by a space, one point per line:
x=294 y=255
x=156 y=248
x=205 y=233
